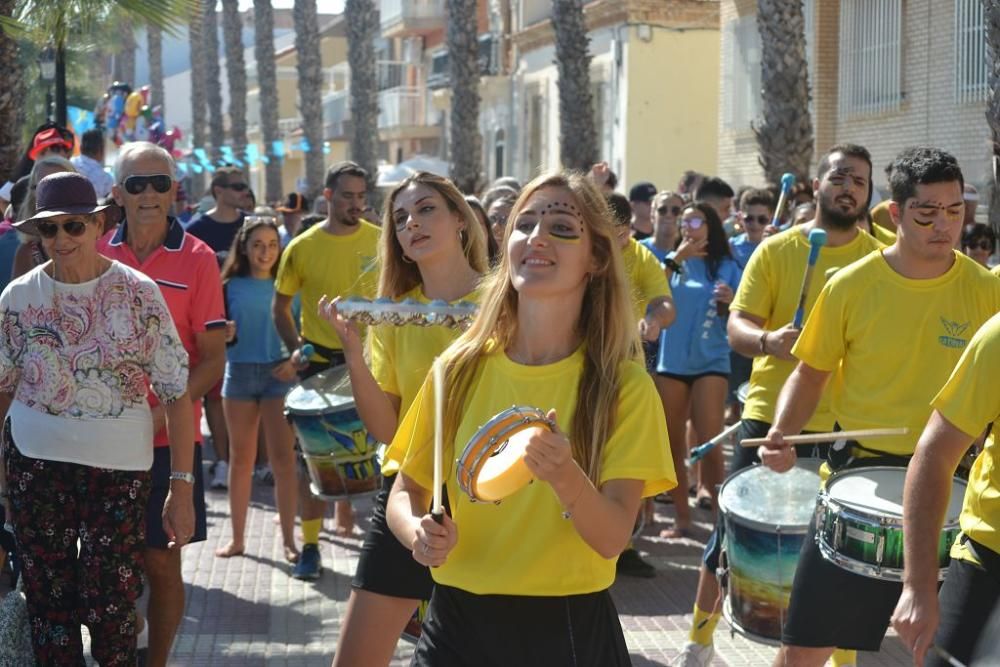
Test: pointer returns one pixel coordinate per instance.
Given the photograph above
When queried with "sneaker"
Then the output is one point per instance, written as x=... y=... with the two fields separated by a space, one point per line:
x=220 y=476
x=632 y=565
x=310 y=566
x=263 y=474
x=695 y=655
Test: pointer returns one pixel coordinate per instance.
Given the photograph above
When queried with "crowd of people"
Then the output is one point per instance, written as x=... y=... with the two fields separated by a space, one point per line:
x=638 y=326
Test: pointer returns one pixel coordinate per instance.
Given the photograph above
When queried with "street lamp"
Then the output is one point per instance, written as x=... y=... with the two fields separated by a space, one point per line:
x=47 y=65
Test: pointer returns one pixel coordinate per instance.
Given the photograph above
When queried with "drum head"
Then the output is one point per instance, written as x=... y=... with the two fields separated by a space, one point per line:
x=505 y=470
x=761 y=497
x=327 y=391
x=880 y=489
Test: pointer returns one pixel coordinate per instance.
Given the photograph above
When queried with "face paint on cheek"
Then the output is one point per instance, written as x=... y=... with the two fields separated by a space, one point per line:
x=566 y=236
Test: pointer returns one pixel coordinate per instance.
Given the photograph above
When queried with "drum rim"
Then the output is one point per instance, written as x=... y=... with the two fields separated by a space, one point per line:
x=825 y=494
x=769 y=527
x=862 y=568
x=313 y=412
x=467 y=481
x=727 y=613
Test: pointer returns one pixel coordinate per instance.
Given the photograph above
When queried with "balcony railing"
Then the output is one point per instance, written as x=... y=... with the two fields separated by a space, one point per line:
x=401 y=107
x=405 y=17
x=336 y=114
x=489 y=65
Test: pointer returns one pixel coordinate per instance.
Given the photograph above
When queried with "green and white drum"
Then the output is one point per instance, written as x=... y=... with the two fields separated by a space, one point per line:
x=859 y=522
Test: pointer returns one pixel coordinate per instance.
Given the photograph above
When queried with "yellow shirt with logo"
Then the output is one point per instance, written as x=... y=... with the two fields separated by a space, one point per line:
x=523 y=545
x=770 y=290
x=317 y=263
x=401 y=357
x=996 y=271
x=971 y=402
x=891 y=342
x=646 y=277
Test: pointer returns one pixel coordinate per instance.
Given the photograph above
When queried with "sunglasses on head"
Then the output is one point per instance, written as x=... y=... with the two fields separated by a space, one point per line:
x=137 y=184
x=672 y=210
x=759 y=219
x=693 y=223
x=49 y=230
x=238 y=187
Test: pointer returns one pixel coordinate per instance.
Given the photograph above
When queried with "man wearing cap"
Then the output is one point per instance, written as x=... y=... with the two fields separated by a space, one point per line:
x=49 y=139
x=640 y=198
x=186 y=271
x=291 y=212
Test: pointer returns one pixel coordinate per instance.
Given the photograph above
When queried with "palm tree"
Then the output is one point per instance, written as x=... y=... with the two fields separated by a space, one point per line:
x=236 y=70
x=154 y=44
x=992 y=19
x=213 y=79
x=785 y=133
x=11 y=96
x=463 y=54
x=125 y=55
x=362 y=29
x=267 y=94
x=577 y=134
x=196 y=45
x=55 y=22
x=310 y=65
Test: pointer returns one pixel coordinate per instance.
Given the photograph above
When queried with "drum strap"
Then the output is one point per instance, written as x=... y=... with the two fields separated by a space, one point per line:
x=845 y=457
x=335 y=357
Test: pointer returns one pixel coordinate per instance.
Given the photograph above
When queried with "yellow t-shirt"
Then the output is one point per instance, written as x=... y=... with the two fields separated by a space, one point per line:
x=891 y=342
x=882 y=217
x=970 y=401
x=317 y=263
x=884 y=236
x=401 y=358
x=523 y=546
x=996 y=271
x=646 y=277
x=770 y=289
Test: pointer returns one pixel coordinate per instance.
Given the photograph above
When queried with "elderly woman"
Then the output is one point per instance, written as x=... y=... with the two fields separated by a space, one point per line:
x=81 y=338
x=979 y=242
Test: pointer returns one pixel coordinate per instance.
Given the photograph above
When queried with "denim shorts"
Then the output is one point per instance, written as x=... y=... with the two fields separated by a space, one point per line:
x=253 y=382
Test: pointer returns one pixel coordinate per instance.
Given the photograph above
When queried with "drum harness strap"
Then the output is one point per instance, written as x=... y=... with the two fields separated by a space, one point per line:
x=842 y=455
x=335 y=357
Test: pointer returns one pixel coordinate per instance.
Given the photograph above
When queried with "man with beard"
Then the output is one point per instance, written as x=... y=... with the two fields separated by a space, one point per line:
x=336 y=258
x=760 y=327
x=886 y=332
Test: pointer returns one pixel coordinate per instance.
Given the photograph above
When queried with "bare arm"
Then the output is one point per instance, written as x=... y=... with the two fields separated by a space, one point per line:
x=411 y=523
x=206 y=374
x=745 y=332
x=796 y=405
x=925 y=500
x=178 y=508
x=281 y=310
x=661 y=310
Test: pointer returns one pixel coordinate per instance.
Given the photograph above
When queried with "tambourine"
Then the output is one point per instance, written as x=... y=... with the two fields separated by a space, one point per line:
x=408 y=311
x=492 y=466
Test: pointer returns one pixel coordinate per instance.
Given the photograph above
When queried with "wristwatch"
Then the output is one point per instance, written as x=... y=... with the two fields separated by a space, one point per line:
x=182 y=476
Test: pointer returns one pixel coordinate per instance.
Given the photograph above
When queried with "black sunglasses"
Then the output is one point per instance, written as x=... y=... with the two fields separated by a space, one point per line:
x=982 y=245
x=49 y=230
x=759 y=219
x=136 y=184
x=672 y=210
x=238 y=187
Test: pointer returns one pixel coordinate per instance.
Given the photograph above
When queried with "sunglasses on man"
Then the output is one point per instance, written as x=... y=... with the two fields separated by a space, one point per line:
x=982 y=245
x=137 y=184
x=237 y=187
x=49 y=230
x=759 y=219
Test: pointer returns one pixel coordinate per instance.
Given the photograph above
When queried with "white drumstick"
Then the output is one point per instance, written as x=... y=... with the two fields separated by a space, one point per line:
x=830 y=437
x=437 y=509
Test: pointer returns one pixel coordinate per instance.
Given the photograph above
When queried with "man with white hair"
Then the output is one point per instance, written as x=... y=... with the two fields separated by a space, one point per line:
x=153 y=242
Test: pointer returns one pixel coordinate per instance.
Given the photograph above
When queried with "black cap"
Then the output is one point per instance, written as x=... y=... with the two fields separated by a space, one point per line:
x=642 y=192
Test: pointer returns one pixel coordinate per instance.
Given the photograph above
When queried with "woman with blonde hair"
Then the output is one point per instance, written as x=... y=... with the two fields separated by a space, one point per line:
x=555 y=331
x=432 y=247
x=31 y=253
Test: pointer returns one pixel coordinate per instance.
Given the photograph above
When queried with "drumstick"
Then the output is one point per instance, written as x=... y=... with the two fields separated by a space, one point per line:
x=830 y=437
x=699 y=452
x=947 y=657
x=787 y=181
x=437 y=510
x=817 y=239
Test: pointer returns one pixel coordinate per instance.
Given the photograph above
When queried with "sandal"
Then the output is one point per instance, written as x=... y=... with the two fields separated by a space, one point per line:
x=676 y=533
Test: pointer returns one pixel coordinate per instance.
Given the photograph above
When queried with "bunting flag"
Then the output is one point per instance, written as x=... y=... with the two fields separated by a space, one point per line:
x=278 y=148
x=80 y=120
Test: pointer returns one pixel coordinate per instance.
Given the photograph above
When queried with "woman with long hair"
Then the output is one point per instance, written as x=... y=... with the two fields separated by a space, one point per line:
x=258 y=375
x=693 y=365
x=432 y=247
x=31 y=252
x=525 y=581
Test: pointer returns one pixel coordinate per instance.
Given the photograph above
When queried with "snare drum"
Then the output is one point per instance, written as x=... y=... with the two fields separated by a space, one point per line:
x=859 y=522
x=492 y=465
x=342 y=459
x=766 y=518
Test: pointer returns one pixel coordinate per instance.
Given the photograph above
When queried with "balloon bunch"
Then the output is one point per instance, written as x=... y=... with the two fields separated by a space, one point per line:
x=126 y=116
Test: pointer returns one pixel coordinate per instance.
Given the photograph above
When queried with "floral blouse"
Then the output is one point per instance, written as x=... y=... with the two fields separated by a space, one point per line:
x=86 y=352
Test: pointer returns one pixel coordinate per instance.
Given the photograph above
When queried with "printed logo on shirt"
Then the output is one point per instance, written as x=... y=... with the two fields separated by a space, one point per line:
x=954 y=332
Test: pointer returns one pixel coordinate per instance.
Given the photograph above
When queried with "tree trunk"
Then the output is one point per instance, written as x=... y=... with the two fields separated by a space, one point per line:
x=125 y=58
x=11 y=98
x=463 y=53
x=362 y=29
x=213 y=78
x=785 y=134
x=310 y=66
x=267 y=95
x=992 y=18
x=577 y=134
x=61 y=116
x=196 y=44
x=154 y=42
x=236 y=70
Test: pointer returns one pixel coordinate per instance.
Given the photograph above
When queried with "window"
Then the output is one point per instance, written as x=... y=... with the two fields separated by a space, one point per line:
x=870 y=56
x=970 y=52
x=499 y=143
x=741 y=73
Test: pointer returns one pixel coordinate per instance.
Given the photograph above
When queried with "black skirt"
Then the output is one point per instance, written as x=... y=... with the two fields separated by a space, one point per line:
x=463 y=628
